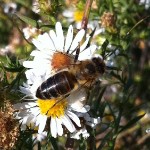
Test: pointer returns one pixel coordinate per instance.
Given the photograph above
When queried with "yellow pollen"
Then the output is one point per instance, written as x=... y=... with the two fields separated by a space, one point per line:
x=53 y=107
x=78 y=15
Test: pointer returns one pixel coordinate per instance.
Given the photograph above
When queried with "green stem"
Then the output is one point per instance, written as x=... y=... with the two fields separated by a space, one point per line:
x=137 y=24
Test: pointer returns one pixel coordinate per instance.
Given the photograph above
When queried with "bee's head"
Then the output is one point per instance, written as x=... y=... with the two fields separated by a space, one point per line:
x=99 y=63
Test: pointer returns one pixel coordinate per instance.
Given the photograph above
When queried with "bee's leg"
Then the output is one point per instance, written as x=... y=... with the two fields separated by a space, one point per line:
x=77 y=53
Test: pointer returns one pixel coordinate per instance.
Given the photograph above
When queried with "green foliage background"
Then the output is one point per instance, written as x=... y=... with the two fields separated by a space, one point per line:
x=125 y=113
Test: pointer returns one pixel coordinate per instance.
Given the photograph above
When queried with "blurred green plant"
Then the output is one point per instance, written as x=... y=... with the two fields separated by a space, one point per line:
x=124 y=90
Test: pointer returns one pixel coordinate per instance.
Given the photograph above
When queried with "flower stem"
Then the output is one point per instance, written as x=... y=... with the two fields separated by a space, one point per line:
x=86 y=14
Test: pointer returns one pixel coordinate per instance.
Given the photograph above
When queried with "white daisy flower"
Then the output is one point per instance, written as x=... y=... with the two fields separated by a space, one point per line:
x=58 y=112
x=7 y=49
x=10 y=7
x=75 y=16
x=30 y=32
x=148 y=130
x=54 y=51
x=35 y=6
x=82 y=132
x=89 y=121
x=146 y=3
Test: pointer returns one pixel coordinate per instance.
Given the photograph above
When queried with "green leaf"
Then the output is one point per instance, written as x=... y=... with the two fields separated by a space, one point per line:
x=8 y=60
x=105 y=140
x=13 y=65
x=53 y=141
x=117 y=76
x=24 y=3
x=82 y=144
x=98 y=99
x=14 y=69
x=28 y=20
x=132 y=122
x=113 y=68
x=104 y=46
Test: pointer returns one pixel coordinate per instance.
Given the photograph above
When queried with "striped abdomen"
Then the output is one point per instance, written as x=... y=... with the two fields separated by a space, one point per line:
x=58 y=85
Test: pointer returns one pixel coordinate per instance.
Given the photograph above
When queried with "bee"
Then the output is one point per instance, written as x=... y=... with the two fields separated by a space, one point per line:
x=61 y=84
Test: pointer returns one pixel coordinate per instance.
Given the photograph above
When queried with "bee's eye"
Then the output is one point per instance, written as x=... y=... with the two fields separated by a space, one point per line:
x=90 y=68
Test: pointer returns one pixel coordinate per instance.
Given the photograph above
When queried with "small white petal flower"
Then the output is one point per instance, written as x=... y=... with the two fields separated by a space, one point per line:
x=30 y=32
x=82 y=132
x=75 y=16
x=10 y=7
x=35 y=6
x=146 y=3
x=56 y=51
x=148 y=130
x=36 y=112
x=90 y=121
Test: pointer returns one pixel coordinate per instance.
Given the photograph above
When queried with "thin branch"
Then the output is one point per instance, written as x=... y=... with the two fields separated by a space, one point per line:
x=86 y=14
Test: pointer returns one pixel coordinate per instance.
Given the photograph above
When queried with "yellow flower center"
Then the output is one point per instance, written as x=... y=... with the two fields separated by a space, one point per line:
x=78 y=15
x=53 y=107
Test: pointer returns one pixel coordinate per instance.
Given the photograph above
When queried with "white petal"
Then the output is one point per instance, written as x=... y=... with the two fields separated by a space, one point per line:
x=23 y=114
x=85 y=109
x=24 y=120
x=18 y=106
x=38 y=119
x=37 y=44
x=83 y=46
x=68 y=13
x=36 y=112
x=38 y=54
x=38 y=72
x=67 y=122
x=76 y=135
x=30 y=76
x=60 y=37
x=39 y=137
x=77 y=39
x=28 y=64
x=91 y=121
x=74 y=118
x=46 y=42
x=54 y=38
x=88 y=53
x=30 y=105
x=59 y=127
x=42 y=122
x=78 y=25
x=53 y=127
x=96 y=120
x=30 y=121
x=23 y=127
x=69 y=38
